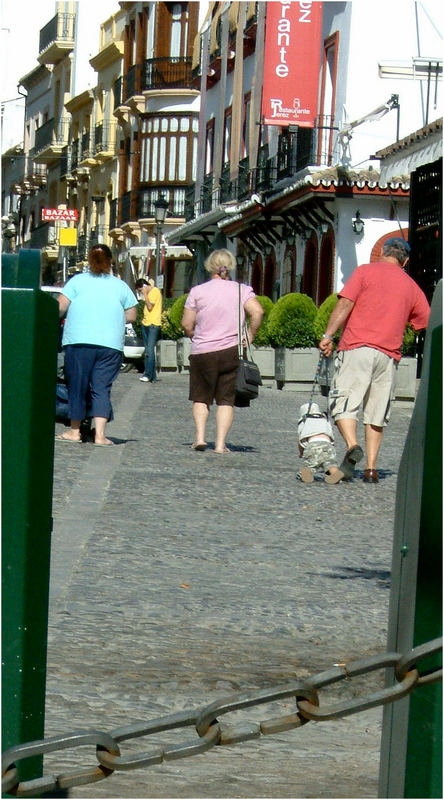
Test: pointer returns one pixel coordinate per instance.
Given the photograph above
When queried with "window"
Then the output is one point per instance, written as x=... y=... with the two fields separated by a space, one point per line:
x=246 y=126
x=328 y=98
x=179 y=30
x=209 y=147
x=167 y=148
x=227 y=137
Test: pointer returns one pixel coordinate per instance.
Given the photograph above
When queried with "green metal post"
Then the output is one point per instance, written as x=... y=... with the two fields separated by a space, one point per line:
x=29 y=365
x=411 y=744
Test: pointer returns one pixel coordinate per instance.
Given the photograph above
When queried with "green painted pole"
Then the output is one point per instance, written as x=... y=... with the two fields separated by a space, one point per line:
x=29 y=364
x=411 y=743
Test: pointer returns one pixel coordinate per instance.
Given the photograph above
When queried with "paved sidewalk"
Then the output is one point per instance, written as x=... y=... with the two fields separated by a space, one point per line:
x=179 y=578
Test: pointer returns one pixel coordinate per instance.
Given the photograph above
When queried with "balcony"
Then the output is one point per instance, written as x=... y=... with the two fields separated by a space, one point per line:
x=104 y=141
x=175 y=195
x=154 y=73
x=98 y=235
x=57 y=39
x=113 y=214
x=86 y=156
x=74 y=154
x=50 y=140
x=43 y=235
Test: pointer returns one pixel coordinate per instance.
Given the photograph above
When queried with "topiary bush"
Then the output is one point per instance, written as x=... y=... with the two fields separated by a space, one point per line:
x=408 y=347
x=176 y=314
x=322 y=317
x=262 y=338
x=291 y=321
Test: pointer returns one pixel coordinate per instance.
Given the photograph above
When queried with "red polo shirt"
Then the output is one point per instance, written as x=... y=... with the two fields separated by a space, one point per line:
x=385 y=299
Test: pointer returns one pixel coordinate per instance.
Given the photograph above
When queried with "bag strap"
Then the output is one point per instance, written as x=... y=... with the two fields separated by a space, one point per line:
x=243 y=327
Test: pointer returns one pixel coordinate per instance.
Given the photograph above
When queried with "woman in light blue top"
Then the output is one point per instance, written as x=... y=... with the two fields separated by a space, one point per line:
x=97 y=305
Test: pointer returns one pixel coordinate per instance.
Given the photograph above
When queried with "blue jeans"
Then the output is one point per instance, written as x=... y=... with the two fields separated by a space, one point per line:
x=90 y=371
x=150 y=334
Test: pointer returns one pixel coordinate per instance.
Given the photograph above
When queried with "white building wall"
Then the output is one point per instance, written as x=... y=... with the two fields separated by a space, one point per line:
x=398 y=30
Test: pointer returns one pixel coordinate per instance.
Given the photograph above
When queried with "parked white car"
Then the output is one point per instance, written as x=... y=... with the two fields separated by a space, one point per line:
x=133 y=350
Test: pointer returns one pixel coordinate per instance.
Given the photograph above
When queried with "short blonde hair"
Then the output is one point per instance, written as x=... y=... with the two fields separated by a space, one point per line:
x=220 y=260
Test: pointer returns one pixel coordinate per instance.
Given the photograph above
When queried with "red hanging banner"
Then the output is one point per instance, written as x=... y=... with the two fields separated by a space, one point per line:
x=291 y=64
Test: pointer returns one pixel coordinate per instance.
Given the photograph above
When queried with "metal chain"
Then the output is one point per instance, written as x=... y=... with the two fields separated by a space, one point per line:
x=211 y=732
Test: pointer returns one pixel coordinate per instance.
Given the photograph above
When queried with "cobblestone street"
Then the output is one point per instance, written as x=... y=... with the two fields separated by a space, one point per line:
x=179 y=577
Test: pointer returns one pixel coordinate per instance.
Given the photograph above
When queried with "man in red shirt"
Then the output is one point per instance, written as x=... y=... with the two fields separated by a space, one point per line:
x=374 y=307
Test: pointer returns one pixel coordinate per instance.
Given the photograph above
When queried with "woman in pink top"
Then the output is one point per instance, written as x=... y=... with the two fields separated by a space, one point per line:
x=211 y=320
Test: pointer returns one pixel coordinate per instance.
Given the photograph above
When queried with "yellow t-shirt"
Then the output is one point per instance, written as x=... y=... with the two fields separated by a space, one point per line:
x=153 y=317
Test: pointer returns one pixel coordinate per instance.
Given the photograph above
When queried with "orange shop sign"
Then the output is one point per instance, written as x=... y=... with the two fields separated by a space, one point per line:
x=63 y=214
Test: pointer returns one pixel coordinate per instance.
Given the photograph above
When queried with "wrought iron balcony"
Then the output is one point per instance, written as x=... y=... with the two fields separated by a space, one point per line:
x=52 y=134
x=42 y=236
x=56 y=38
x=154 y=73
x=175 y=196
x=113 y=213
x=98 y=235
x=105 y=138
x=74 y=154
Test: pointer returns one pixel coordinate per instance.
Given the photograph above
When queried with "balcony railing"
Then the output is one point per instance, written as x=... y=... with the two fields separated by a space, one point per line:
x=98 y=235
x=174 y=195
x=105 y=137
x=113 y=213
x=53 y=133
x=125 y=208
x=74 y=154
x=86 y=150
x=41 y=236
x=82 y=247
x=154 y=73
x=59 y=28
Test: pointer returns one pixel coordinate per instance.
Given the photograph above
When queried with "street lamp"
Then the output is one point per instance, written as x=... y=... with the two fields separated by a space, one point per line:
x=160 y=211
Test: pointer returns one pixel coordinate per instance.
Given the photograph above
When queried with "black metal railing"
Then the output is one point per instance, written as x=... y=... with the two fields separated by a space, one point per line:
x=64 y=161
x=59 y=28
x=82 y=247
x=98 y=235
x=189 y=203
x=86 y=145
x=118 y=92
x=51 y=133
x=206 y=194
x=74 y=154
x=41 y=236
x=125 y=208
x=105 y=137
x=154 y=73
x=174 y=195
x=166 y=73
x=113 y=213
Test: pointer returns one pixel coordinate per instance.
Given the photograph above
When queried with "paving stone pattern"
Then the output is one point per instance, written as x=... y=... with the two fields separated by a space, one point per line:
x=179 y=578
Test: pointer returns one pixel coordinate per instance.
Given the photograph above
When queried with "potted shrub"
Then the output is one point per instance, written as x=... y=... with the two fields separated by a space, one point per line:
x=262 y=350
x=183 y=343
x=166 y=348
x=291 y=332
x=406 y=374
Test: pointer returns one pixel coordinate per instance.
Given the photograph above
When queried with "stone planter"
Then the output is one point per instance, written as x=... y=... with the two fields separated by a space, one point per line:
x=264 y=358
x=295 y=368
x=405 y=388
x=183 y=353
x=166 y=355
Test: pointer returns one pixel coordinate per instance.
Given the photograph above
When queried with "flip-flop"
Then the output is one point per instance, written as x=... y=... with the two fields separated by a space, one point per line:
x=105 y=444
x=199 y=447
x=60 y=438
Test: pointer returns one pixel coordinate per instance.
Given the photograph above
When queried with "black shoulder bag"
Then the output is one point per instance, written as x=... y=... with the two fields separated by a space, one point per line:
x=248 y=378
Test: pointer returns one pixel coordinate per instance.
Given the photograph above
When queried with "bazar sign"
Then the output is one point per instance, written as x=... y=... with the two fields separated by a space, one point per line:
x=65 y=214
x=291 y=65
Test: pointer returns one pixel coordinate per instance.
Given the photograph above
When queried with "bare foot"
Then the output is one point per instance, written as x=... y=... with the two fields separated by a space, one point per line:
x=221 y=452
x=199 y=446
x=69 y=436
x=103 y=442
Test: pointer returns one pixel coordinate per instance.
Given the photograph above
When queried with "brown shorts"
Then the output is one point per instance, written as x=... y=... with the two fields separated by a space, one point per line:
x=213 y=376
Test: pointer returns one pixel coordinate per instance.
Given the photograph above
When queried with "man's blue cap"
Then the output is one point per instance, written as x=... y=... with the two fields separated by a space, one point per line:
x=398 y=241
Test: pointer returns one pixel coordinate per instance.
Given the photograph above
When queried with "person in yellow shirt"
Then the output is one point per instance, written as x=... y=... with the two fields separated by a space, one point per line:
x=151 y=322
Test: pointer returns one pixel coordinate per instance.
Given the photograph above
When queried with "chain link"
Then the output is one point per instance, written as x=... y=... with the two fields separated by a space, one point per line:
x=211 y=732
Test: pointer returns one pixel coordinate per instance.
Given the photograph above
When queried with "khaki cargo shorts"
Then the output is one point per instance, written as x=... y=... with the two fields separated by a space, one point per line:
x=363 y=376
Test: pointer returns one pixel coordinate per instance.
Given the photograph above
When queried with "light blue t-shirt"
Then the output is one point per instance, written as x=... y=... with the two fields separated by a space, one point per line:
x=96 y=314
